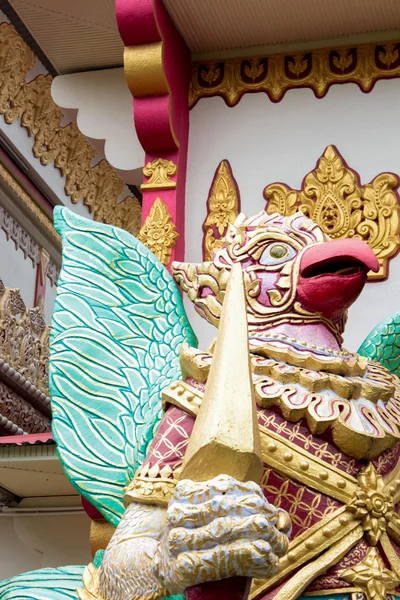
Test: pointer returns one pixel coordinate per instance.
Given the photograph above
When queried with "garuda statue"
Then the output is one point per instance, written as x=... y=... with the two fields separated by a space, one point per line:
x=271 y=458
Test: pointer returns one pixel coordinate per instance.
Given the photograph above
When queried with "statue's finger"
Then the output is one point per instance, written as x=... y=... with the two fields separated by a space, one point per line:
x=251 y=559
x=224 y=531
x=198 y=515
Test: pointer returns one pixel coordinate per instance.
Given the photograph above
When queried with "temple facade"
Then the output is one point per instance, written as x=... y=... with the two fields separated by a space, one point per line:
x=167 y=120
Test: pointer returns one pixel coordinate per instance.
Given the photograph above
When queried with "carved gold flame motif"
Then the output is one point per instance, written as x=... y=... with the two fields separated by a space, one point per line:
x=158 y=232
x=223 y=206
x=332 y=196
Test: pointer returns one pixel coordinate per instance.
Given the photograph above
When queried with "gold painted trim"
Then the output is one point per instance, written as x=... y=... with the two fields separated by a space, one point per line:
x=299 y=582
x=335 y=592
x=302 y=466
x=159 y=173
x=184 y=396
x=144 y=70
x=275 y=74
x=308 y=546
x=391 y=553
x=35 y=211
x=150 y=490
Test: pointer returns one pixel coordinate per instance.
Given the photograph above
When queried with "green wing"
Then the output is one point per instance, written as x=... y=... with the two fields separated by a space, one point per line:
x=44 y=584
x=117 y=328
x=383 y=343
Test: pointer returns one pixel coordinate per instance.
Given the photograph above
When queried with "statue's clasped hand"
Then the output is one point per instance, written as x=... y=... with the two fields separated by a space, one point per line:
x=217 y=529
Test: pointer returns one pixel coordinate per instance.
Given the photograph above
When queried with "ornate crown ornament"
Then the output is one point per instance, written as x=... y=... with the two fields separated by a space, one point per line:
x=333 y=197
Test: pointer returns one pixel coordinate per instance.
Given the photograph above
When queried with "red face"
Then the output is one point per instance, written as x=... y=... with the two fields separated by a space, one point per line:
x=332 y=276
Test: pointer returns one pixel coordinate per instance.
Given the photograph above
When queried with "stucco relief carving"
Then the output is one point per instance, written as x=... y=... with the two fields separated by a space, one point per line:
x=332 y=196
x=99 y=187
x=23 y=338
x=277 y=73
x=223 y=206
x=20 y=237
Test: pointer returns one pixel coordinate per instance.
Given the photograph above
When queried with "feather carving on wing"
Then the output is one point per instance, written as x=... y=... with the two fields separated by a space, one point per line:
x=383 y=343
x=117 y=328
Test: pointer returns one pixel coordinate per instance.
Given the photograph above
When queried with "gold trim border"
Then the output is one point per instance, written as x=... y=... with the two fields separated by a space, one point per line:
x=34 y=210
x=275 y=74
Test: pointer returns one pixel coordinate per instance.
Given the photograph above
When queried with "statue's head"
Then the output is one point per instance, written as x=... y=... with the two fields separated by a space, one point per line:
x=293 y=274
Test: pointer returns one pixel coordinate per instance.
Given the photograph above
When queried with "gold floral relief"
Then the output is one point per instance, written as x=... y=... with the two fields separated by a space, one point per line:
x=277 y=73
x=372 y=576
x=24 y=338
x=99 y=187
x=223 y=206
x=158 y=232
x=159 y=173
x=333 y=197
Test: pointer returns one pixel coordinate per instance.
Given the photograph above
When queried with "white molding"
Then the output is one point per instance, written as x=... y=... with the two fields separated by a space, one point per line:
x=101 y=105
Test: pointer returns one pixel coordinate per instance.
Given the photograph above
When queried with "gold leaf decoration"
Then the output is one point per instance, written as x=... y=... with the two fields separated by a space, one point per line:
x=158 y=232
x=159 y=172
x=332 y=196
x=372 y=576
x=275 y=74
x=373 y=504
x=98 y=187
x=223 y=206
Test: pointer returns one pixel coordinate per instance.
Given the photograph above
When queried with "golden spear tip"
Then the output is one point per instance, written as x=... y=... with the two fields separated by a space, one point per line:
x=225 y=438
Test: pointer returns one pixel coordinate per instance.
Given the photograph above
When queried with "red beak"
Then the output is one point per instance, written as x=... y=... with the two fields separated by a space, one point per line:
x=333 y=274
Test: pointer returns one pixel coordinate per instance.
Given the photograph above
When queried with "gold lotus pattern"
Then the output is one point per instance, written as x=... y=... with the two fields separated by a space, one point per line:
x=158 y=232
x=331 y=195
x=372 y=505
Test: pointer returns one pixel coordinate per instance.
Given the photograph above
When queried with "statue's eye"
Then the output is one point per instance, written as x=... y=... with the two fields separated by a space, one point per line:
x=279 y=251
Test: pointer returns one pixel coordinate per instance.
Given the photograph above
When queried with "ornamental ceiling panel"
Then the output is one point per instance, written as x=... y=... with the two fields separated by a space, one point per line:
x=209 y=26
x=75 y=35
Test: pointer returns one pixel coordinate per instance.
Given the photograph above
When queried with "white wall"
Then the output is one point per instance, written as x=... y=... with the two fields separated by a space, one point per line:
x=17 y=271
x=29 y=543
x=15 y=556
x=267 y=142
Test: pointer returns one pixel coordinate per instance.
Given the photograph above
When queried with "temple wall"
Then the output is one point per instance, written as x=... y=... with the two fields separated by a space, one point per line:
x=30 y=543
x=16 y=271
x=268 y=142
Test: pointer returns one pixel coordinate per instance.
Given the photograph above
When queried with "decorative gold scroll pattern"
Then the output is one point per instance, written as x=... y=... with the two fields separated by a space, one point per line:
x=159 y=173
x=223 y=206
x=24 y=338
x=277 y=73
x=99 y=187
x=332 y=196
x=158 y=232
